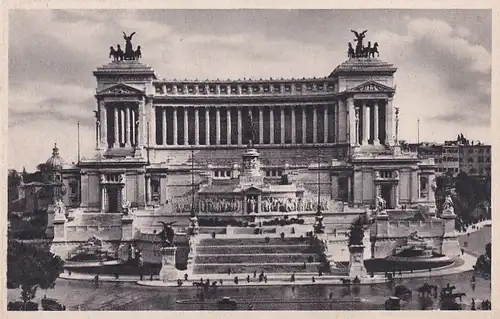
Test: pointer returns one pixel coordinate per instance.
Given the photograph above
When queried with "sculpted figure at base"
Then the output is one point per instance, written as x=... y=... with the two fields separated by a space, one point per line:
x=380 y=204
x=59 y=208
x=167 y=235
x=448 y=204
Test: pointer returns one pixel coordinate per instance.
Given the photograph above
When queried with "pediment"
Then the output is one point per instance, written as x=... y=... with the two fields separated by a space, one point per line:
x=372 y=86
x=121 y=89
x=252 y=189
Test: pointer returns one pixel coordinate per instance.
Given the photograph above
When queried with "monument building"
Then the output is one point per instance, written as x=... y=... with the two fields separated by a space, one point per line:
x=167 y=149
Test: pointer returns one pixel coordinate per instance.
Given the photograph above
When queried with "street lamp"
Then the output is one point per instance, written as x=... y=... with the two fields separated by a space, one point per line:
x=192 y=182
x=319 y=188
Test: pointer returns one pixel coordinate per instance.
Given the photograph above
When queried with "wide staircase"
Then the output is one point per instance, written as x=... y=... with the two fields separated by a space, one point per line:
x=254 y=254
x=268 y=156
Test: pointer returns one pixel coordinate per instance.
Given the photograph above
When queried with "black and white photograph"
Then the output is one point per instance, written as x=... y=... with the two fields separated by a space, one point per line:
x=249 y=159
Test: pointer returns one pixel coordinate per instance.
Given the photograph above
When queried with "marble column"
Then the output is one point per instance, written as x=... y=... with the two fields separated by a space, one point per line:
x=261 y=126
x=207 y=126
x=356 y=126
x=353 y=130
x=127 y=130
x=152 y=127
x=271 y=124
x=304 y=126
x=186 y=127
x=217 y=126
x=103 y=199
x=366 y=124
x=122 y=126
x=228 y=125
x=134 y=131
x=104 y=124
x=174 y=125
x=148 y=189
x=141 y=120
x=164 y=126
x=315 y=125
x=389 y=134
x=116 y=142
x=325 y=124
x=376 y=140
x=196 y=127
x=240 y=136
x=294 y=128
x=282 y=125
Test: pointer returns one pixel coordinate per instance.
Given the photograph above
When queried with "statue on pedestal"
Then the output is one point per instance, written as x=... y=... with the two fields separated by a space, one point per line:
x=448 y=205
x=252 y=204
x=380 y=204
x=126 y=207
x=59 y=208
x=167 y=235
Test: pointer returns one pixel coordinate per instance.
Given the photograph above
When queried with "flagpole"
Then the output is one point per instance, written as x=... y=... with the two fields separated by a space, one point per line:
x=78 y=139
x=418 y=131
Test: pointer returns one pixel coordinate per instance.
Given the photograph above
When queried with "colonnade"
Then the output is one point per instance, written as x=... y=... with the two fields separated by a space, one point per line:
x=227 y=125
x=372 y=121
x=118 y=125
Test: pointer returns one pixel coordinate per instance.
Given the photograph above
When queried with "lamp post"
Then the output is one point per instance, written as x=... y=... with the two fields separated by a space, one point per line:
x=192 y=183
x=319 y=188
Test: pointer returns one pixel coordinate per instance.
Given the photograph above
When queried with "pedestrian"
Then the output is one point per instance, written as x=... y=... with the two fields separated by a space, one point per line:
x=320 y=273
x=473 y=305
x=140 y=276
x=151 y=277
x=201 y=280
x=265 y=279
x=236 y=280
x=462 y=250
x=220 y=281
x=69 y=272
x=185 y=277
x=313 y=279
x=331 y=295
x=400 y=273
x=248 y=278
x=254 y=274
x=229 y=271
x=116 y=275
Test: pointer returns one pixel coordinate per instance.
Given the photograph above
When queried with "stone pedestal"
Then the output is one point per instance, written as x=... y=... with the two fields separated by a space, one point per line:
x=356 y=261
x=127 y=228
x=59 y=223
x=450 y=245
x=168 y=271
x=49 y=231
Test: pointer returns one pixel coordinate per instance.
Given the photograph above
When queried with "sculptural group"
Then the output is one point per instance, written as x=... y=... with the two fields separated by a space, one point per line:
x=361 y=51
x=269 y=204
x=129 y=54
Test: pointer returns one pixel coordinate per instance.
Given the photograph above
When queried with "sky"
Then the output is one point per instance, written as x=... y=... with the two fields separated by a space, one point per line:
x=443 y=59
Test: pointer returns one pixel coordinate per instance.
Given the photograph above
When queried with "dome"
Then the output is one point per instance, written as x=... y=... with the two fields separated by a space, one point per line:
x=55 y=162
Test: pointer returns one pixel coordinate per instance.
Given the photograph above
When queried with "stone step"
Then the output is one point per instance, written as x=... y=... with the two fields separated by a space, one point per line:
x=258 y=267
x=251 y=241
x=256 y=258
x=255 y=249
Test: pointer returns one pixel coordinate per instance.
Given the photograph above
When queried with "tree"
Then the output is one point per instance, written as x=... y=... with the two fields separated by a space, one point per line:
x=14 y=180
x=29 y=267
